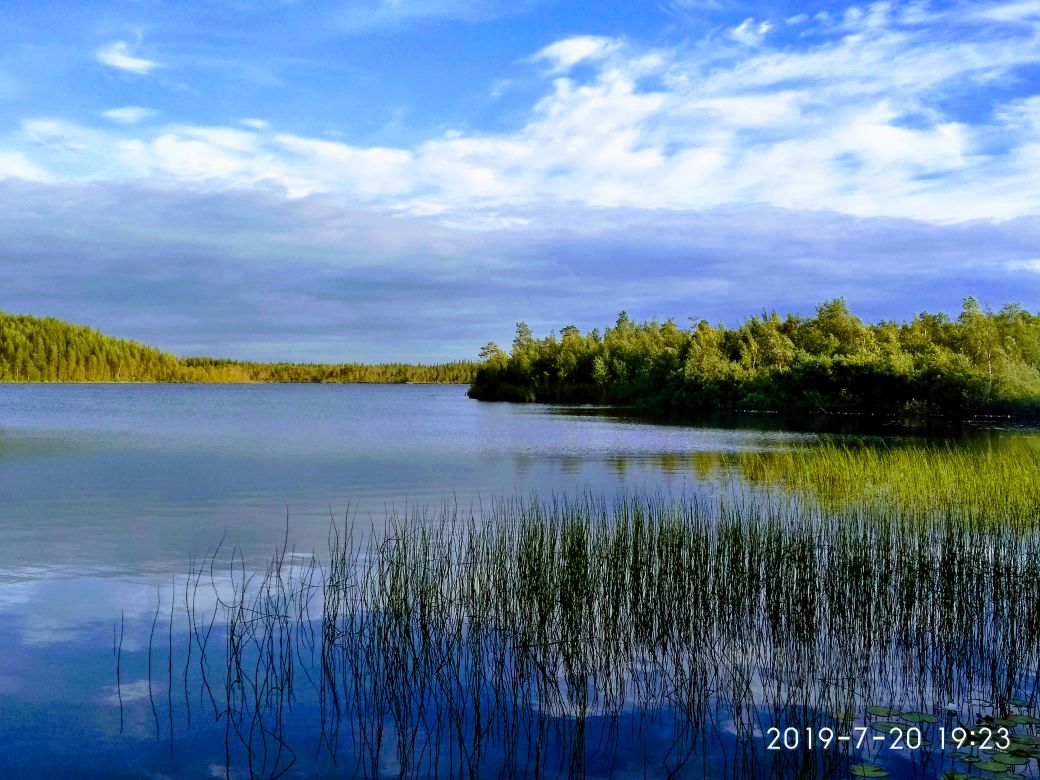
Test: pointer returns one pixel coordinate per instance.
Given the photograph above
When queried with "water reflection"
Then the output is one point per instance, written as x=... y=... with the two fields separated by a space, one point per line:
x=592 y=639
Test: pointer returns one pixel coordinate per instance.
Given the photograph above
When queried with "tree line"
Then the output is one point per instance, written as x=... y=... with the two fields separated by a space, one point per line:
x=983 y=361
x=34 y=349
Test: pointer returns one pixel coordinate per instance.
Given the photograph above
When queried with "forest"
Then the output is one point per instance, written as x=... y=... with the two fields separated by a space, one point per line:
x=981 y=362
x=34 y=349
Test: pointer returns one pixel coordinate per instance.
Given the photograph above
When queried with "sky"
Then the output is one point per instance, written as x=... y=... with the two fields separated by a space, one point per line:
x=407 y=179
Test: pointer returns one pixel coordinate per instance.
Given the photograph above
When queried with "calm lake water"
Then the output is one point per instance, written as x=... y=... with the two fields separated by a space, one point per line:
x=107 y=492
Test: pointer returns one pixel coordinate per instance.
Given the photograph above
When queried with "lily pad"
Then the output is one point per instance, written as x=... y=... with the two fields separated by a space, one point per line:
x=991 y=766
x=886 y=726
x=1018 y=702
x=883 y=712
x=954 y=775
x=919 y=717
x=867 y=770
x=1024 y=720
x=1009 y=759
x=845 y=717
x=965 y=757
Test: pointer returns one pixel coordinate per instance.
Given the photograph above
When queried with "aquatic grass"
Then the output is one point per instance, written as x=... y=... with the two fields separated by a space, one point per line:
x=523 y=640
x=980 y=484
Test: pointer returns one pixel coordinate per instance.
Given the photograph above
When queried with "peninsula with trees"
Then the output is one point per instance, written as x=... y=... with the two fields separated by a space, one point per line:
x=980 y=362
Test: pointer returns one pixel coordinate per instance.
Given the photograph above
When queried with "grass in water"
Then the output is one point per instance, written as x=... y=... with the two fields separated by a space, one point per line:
x=978 y=484
x=540 y=636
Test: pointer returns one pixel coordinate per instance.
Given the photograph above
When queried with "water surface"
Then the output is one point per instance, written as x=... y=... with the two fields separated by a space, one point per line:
x=107 y=492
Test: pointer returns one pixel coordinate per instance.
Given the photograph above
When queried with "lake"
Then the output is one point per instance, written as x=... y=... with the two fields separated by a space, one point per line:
x=110 y=495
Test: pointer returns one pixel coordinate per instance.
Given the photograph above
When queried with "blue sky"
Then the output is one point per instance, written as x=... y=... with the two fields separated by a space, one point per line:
x=406 y=179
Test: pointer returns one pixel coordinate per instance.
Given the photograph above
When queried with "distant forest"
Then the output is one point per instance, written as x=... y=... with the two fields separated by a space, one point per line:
x=981 y=362
x=34 y=349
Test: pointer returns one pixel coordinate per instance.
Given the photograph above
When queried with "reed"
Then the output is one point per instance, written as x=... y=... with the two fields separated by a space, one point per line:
x=540 y=636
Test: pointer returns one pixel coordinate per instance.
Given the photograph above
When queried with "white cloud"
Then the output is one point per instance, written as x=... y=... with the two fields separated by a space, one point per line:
x=226 y=139
x=749 y=33
x=564 y=55
x=117 y=55
x=15 y=165
x=1032 y=265
x=851 y=118
x=216 y=155
x=55 y=134
x=366 y=172
x=129 y=115
x=1012 y=12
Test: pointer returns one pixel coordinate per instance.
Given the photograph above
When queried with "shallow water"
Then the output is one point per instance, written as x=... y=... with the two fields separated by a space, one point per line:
x=107 y=492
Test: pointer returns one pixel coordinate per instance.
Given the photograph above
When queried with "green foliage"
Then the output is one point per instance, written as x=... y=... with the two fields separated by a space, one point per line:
x=49 y=350
x=914 y=479
x=33 y=349
x=458 y=372
x=982 y=362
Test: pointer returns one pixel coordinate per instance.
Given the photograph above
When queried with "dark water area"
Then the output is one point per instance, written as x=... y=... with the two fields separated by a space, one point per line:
x=974 y=431
x=113 y=496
